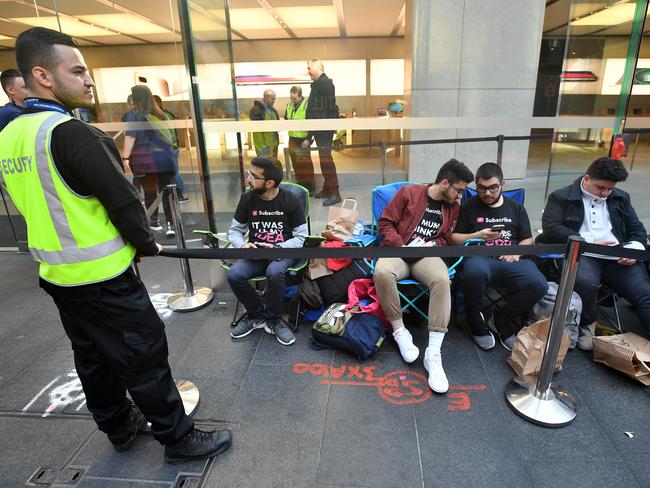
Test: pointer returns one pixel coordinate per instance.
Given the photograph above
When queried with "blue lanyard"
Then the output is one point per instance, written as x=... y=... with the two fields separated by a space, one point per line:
x=34 y=103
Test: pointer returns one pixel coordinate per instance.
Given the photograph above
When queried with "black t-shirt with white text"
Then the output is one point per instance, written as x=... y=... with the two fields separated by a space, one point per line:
x=476 y=216
x=429 y=226
x=270 y=221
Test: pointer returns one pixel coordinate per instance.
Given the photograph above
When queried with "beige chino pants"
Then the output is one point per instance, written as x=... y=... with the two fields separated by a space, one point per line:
x=431 y=272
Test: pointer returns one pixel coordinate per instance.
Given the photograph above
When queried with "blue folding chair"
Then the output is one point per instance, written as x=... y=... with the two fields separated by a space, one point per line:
x=380 y=197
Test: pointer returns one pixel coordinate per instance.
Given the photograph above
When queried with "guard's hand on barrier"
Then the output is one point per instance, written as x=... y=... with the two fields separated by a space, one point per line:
x=627 y=262
x=249 y=245
x=509 y=259
x=488 y=235
x=160 y=248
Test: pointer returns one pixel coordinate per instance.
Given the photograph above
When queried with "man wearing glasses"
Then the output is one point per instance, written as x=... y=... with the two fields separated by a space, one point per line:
x=500 y=221
x=421 y=215
x=593 y=208
x=272 y=217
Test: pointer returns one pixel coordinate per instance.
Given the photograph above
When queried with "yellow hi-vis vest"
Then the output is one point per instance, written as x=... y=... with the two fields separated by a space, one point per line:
x=71 y=236
x=299 y=113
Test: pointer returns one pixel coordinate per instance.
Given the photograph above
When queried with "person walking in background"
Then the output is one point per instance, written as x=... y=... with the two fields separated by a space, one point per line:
x=149 y=154
x=85 y=226
x=266 y=143
x=178 y=178
x=14 y=86
x=303 y=166
x=322 y=105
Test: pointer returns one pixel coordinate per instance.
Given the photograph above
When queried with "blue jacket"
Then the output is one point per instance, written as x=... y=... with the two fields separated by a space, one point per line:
x=564 y=214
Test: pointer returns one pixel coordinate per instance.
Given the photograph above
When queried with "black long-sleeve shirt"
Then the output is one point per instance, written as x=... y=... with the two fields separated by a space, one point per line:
x=322 y=100
x=90 y=164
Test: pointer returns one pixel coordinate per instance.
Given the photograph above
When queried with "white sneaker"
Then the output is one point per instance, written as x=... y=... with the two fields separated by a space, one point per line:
x=433 y=364
x=586 y=339
x=407 y=349
x=170 y=232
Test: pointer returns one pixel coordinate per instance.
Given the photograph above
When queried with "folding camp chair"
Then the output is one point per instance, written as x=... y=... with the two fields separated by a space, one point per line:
x=293 y=274
x=380 y=197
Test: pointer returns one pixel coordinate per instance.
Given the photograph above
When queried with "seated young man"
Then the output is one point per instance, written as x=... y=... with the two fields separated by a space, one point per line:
x=422 y=215
x=273 y=217
x=500 y=221
x=593 y=208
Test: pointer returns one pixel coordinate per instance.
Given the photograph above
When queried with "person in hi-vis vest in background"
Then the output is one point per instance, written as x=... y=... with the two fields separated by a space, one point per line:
x=266 y=143
x=85 y=225
x=303 y=166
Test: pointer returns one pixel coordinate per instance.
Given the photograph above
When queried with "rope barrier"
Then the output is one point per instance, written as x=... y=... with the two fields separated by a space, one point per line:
x=398 y=252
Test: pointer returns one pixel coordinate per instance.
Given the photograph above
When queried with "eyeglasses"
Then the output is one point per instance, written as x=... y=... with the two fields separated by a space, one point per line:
x=458 y=190
x=252 y=176
x=491 y=188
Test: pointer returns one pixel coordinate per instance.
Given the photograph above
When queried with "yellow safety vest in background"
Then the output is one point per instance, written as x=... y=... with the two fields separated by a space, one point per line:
x=71 y=236
x=299 y=113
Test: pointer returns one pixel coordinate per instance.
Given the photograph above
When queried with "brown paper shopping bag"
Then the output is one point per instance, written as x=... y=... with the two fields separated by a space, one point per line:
x=527 y=353
x=341 y=221
x=627 y=353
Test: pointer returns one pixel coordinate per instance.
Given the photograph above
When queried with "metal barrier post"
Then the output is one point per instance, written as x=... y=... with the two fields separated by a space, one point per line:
x=288 y=164
x=190 y=298
x=384 y=161
x=540 y=402
x=499 y=149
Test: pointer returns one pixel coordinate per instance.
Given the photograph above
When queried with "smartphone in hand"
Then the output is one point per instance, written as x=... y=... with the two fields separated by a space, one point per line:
x=497 y=228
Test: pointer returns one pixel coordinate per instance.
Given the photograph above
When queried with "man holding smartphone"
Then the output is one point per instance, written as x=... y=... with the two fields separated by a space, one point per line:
x=272 y=217
x=500 y=221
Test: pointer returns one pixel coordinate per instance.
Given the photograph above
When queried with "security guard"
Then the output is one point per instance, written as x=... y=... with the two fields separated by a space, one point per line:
x=85 y=225
x=303 y=166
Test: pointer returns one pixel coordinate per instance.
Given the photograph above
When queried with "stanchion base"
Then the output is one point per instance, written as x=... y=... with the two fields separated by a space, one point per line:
x=189 y=395
x=556 y=409
x=180 y=302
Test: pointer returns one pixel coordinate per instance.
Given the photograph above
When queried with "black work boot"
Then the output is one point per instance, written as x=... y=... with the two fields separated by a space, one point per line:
x=198 y=444
x=124 y=438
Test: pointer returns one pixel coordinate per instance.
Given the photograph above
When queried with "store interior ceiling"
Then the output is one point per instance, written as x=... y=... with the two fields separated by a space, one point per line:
x=125 y=22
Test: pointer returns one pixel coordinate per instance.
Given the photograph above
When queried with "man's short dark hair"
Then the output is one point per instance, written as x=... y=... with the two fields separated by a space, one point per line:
x=8 y=76
x=271 y=168
x=454 y=171
x=609 y=169
x=35 y=47
x=487 y=171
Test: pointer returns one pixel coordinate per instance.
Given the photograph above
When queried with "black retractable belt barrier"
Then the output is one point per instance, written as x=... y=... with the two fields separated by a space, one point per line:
x=398 y=252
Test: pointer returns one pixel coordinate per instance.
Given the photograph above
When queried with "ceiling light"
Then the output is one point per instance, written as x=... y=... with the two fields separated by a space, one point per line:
x=617 y=14
x=68 y=25
x=126 y=23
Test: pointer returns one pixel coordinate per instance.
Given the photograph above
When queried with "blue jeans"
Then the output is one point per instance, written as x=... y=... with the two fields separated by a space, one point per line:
x=178 y=178
x=631 y=282
x=524 y=283
x=239 y=274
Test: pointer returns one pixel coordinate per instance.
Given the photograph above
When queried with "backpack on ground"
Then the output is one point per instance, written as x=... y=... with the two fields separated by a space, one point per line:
x=360 y=334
